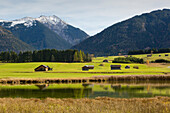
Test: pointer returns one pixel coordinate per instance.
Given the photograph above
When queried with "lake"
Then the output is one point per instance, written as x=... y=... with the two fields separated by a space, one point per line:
x=85 y=90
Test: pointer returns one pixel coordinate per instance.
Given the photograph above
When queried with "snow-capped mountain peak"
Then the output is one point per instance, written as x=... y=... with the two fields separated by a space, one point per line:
x=2 y=20
x=25 y=19
x=54 y=20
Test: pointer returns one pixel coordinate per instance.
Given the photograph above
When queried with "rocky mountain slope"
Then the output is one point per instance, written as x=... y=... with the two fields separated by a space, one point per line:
x=69 y=33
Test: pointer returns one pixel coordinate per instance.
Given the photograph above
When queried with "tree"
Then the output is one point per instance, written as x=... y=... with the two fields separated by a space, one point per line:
x=13 y=57
x=75 y=56
x=52 y=58
x=80 y=57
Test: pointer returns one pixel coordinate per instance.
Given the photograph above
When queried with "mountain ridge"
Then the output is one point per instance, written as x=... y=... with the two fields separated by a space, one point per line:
x=149 y=30
x=54 y=23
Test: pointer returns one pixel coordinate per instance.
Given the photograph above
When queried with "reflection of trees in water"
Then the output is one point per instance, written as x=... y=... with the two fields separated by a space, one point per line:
x=140 y=91
x=113 y=90
x=53 y=93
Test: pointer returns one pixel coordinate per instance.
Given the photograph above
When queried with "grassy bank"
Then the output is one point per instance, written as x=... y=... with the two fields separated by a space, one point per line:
x=98 y=105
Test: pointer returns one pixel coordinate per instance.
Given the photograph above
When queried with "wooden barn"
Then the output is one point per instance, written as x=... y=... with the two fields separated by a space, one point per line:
x=87 y=67
x=135 y=67
x=149 y=55
x=105 y=60
x=115 y=67
x=43 y=68
x=126 y=56
x=127 y=67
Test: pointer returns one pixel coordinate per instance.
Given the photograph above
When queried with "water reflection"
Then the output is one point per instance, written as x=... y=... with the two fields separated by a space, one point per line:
x=85 y=90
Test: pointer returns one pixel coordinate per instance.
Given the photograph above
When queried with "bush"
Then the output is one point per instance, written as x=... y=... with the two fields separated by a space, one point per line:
x=128 y=60
x=161 y=61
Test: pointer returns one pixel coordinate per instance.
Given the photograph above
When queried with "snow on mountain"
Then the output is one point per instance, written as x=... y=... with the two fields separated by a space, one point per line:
x=27 y=21
x=2 y=20
x=69 y=33
x=53 y=20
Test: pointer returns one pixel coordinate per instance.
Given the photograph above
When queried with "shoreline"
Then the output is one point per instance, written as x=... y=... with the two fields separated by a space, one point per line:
x=94 y=79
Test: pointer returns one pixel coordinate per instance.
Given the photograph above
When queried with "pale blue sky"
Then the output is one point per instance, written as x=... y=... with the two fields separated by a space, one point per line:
x=92 y=16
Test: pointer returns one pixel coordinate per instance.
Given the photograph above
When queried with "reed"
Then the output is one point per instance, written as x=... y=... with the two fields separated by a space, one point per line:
x=97 y=105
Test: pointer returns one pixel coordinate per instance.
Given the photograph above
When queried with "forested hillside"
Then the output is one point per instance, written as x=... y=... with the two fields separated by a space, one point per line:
x=147 y=31
x=9 y=43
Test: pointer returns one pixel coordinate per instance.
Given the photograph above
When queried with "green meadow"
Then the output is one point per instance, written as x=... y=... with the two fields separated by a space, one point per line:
x=144 y=56
x=74 y=70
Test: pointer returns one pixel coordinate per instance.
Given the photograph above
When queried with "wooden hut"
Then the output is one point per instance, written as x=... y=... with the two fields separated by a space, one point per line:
x=105 y=60
x=149 y=55
x=87 y=67
x=127 y=67
x=126 y=56
x=115 y=67
x=42 y=68
x=135 y=67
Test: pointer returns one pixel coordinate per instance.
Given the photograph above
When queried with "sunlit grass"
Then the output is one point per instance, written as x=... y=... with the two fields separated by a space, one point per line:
x=98 y=105
x=71 y=70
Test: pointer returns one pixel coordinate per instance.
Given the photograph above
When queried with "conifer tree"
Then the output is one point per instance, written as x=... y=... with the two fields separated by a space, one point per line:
x=75 y=56
x=80 y=57
x=52 y=58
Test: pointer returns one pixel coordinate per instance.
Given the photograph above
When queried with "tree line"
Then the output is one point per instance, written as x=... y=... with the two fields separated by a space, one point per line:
x=136 y=52
x=46 y=55
x=128 y=60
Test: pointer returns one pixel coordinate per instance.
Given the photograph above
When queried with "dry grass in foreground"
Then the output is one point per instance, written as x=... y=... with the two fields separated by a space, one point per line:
x=98 y=105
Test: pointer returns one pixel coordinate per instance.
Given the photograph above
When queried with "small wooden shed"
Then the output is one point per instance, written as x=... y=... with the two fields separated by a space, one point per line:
x=42 y=68
x=149 y=55
x=87 y=67
x=115 y=67
x=105 y=60
x=135 y=67
x=127 y=67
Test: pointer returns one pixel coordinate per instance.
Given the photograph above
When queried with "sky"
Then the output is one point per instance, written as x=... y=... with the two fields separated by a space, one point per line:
x=92 y=16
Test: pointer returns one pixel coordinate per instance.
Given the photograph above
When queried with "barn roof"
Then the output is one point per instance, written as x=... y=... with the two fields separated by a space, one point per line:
x=88 y=66
x=115 y=65
x=43 y=66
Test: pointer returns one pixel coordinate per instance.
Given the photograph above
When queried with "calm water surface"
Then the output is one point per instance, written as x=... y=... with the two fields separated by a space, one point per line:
x=84 y=90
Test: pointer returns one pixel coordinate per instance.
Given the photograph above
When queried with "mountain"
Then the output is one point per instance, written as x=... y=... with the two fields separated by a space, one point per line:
x=35 y=34
x=69 y=33
x=9 y=43
x=149 y=30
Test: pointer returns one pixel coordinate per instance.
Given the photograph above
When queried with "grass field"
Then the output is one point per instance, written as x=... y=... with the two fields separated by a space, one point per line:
x=144 y=56
x=74 y=70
